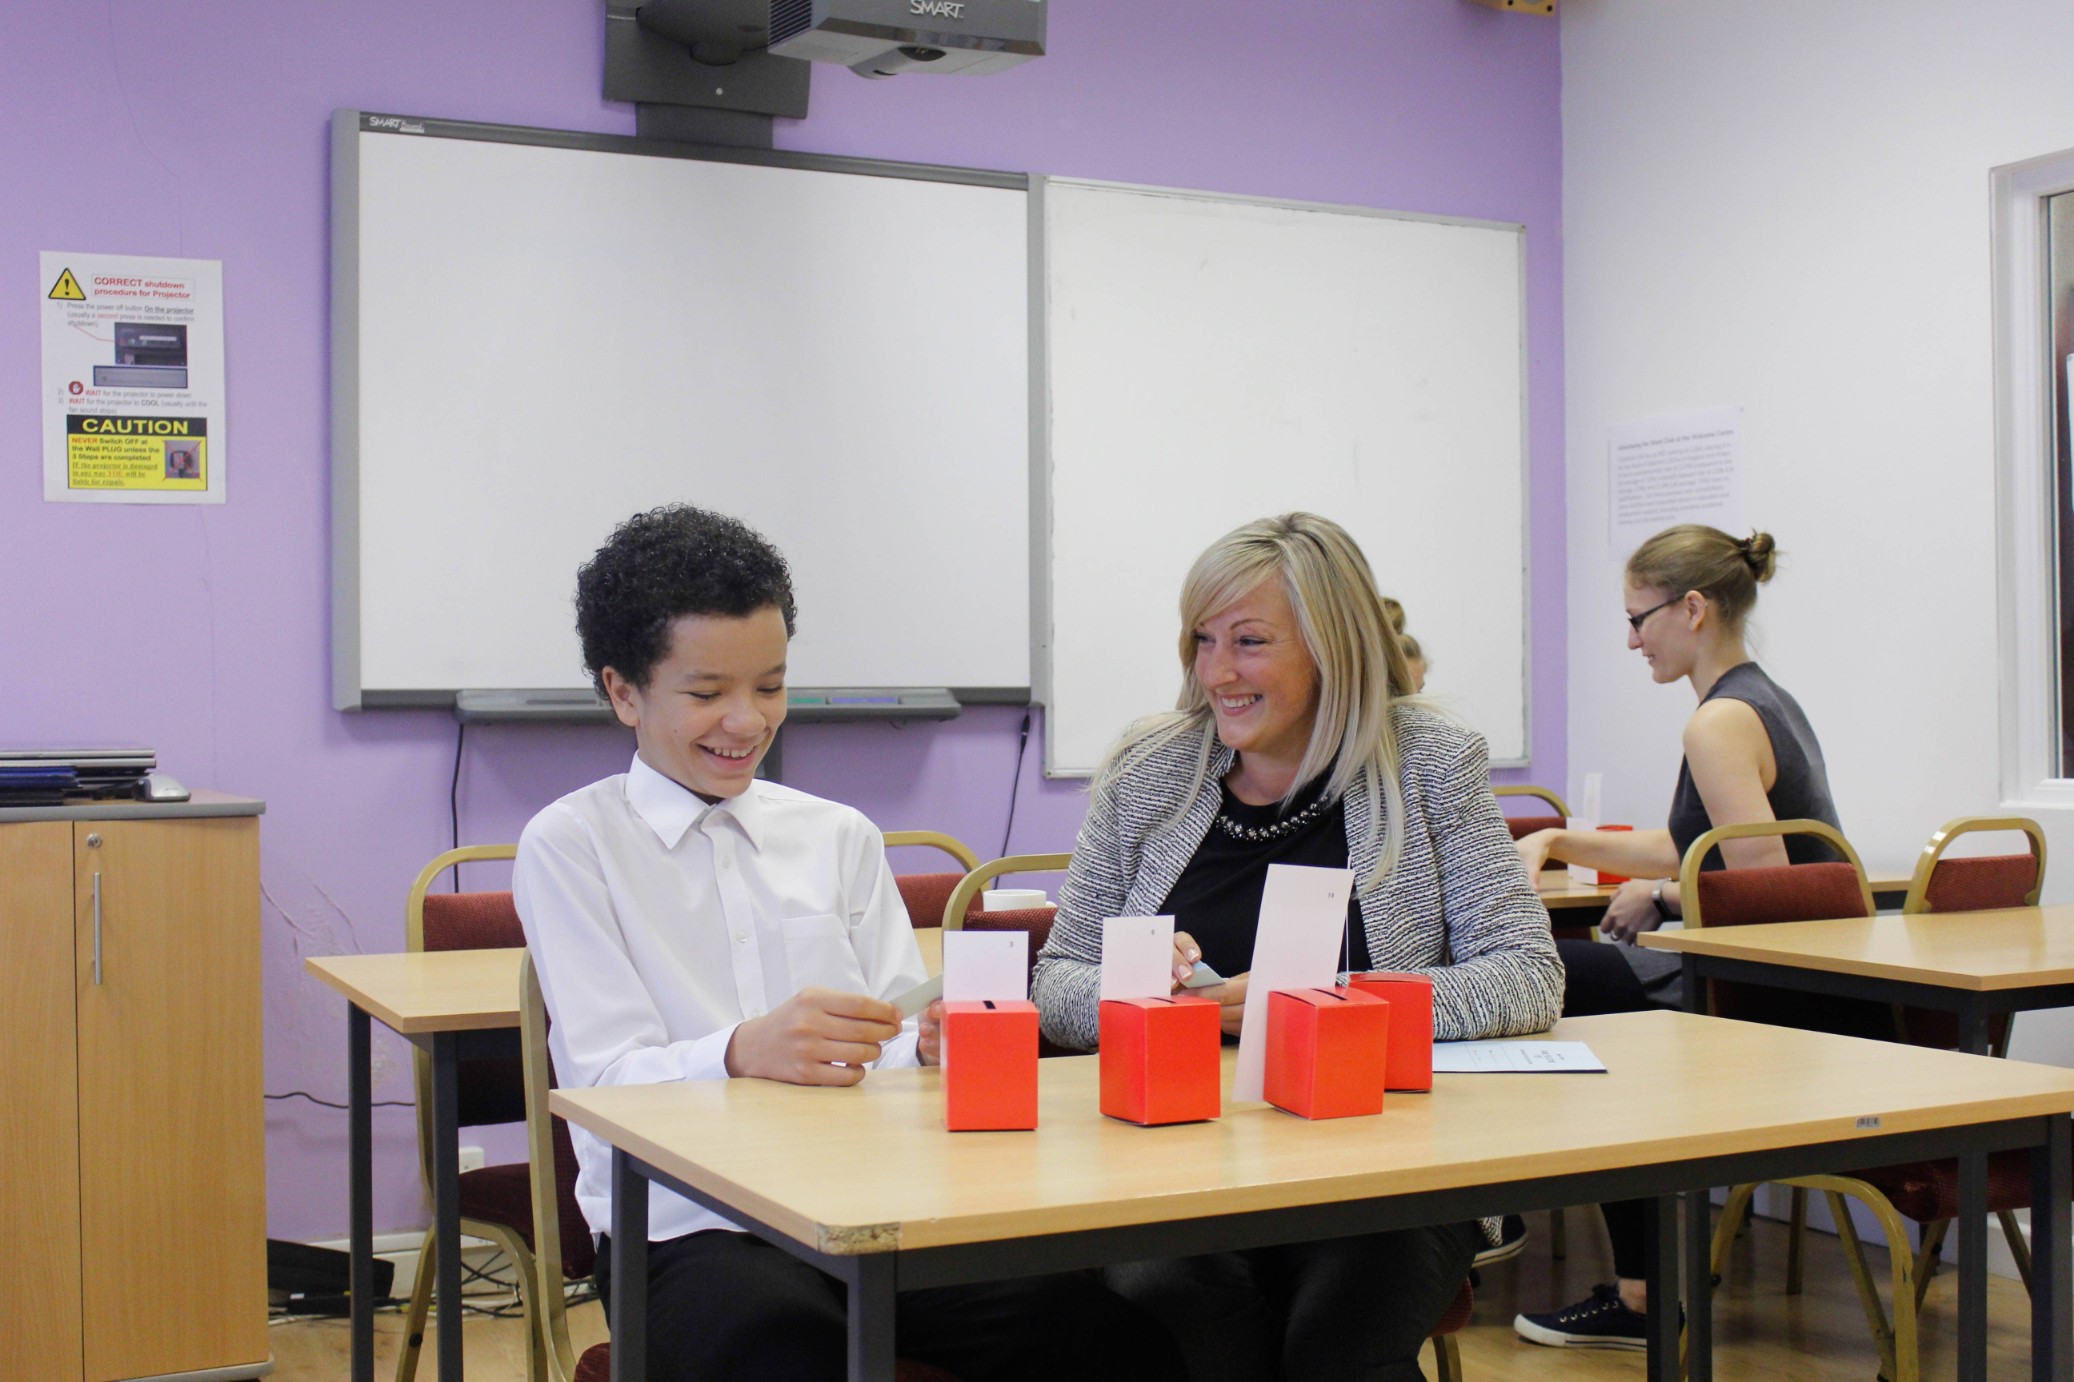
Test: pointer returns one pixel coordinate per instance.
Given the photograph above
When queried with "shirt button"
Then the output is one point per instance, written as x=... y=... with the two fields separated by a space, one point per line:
x=741 y=938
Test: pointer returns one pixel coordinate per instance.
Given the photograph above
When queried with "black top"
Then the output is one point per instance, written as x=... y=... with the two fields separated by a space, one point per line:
x=1801 y=790
x=1217 y=898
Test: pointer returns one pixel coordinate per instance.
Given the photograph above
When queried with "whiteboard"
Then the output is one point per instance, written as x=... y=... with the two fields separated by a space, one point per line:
x=1210 y=360
x=538 y=334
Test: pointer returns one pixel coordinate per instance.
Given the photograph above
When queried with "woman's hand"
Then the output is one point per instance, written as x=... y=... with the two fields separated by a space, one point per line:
x=1231 y=1000
x=1534 y=850
x=930 y=1045
x=1632 y=911
x=1186 y=953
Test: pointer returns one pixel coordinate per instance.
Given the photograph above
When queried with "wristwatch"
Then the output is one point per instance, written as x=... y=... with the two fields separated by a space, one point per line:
x=1656 y=895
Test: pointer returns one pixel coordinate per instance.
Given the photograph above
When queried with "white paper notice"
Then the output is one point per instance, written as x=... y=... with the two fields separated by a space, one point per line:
x=1137 y=957
x=1672 y=468
x=986 y=966
x=1303 y=919
x=1588 y=819
x=1516 y=1057
x=133 y=391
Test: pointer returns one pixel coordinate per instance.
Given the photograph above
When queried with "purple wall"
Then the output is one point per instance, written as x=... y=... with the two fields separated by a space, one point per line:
x=198 y=128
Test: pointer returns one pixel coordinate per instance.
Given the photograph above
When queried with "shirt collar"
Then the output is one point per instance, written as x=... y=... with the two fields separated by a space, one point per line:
x=671 y=809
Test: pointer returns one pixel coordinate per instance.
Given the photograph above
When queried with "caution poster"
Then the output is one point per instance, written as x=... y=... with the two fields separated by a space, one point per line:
x=132 y=379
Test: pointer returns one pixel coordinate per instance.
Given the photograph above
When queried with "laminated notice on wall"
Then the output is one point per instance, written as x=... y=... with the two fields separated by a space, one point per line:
x=1669 y=469
x=132 y=379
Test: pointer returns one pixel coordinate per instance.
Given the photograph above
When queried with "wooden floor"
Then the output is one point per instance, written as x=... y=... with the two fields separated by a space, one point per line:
x=1759 y=1330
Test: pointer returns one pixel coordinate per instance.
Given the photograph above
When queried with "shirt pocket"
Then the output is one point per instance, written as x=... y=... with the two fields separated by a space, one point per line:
x=818 y=951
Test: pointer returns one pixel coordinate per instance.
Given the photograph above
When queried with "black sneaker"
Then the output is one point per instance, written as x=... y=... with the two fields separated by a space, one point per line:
x=1511 y=1238
x=1600 y=1322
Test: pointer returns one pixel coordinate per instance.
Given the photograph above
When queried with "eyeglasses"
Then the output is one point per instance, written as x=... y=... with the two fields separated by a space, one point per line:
x=1635 y=621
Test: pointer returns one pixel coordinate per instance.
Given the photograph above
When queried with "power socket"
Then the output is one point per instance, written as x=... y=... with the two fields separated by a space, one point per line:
x=471 y=1159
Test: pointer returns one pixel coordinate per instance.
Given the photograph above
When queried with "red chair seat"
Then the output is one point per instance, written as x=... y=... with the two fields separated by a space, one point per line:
x=1523 y=826
x=1927 y=1191
x=1981 y=884
x=926 y=895
x=502 y=1195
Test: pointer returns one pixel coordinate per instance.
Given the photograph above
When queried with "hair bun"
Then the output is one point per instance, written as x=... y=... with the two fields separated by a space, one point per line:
x=1761 y=553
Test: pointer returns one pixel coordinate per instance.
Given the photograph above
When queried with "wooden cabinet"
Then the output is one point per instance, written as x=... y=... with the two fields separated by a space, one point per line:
x=132 y=1132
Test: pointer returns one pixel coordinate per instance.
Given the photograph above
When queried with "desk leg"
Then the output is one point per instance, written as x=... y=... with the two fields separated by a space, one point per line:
x=1660 y=1271
x=1695 y=999
x=2052 y=1305
x=1699 y=1285
x=360 y=1192
x=1973 y=1267
x=1973 y=1027
x=629 y=1271
x=871 y=1317
x=446 y=1200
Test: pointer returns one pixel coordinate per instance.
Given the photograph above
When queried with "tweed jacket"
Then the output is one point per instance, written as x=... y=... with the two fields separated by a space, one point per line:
x=1457 y=906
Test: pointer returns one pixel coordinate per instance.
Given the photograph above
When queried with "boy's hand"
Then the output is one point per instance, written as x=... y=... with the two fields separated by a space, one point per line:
x=817 y=1036
x=930 y=1045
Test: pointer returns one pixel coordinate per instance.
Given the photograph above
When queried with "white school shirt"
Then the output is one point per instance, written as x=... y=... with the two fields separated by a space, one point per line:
x=658 y=922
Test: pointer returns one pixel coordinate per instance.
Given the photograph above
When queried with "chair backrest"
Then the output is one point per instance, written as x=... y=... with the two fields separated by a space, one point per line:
x=967 y=857
x=1975 y=884
x=1789 y=892
x=1523 y=826
x=926 y=894
x=562 y=1245
x=1982 y=882
x=491 y=1087
x=958 y=911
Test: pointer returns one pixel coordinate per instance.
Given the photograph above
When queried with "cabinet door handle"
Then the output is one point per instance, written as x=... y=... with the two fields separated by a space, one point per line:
x=97 y=928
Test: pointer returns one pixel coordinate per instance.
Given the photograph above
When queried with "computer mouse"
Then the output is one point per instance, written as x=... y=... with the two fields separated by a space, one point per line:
x=162 y=787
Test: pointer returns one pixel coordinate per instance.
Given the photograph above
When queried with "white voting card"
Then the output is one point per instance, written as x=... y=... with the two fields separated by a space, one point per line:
x=1137 y=957
x=1303 y=919
x=920 y=996
x=986 y=966
x=1515 y=1057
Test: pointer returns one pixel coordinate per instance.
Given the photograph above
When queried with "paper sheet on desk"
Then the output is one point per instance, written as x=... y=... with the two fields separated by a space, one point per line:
x=1515 y=1057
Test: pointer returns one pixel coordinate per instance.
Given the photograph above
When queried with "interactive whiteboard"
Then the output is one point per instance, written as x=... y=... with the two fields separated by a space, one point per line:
x=1209 y=360
x=537 y=334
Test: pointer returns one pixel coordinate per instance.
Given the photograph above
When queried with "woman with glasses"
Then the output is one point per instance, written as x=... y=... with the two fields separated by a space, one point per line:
x=1750 y=755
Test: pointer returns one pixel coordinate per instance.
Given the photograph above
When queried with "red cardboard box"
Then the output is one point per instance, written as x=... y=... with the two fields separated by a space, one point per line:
x=1410 y=997
x=990 y=1066
x=1610 y=880
x=1326 y=1052
x=1161 y=1060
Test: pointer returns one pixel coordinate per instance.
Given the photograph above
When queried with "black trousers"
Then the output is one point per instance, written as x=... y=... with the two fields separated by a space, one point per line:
x=1344 y=1310
x=729 y=1307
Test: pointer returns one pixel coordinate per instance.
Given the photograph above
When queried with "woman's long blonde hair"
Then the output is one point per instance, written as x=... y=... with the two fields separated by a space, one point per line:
x=1361 y=666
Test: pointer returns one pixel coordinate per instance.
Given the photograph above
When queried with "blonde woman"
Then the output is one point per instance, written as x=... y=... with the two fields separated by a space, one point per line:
x=1288 y=747
x=1750 y=755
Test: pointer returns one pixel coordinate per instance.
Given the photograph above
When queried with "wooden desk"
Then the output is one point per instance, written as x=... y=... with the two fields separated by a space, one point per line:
x=440 y=1001
x=431 y=998
x=1974 y=965
x=1690 y=1102
x=1584 y=903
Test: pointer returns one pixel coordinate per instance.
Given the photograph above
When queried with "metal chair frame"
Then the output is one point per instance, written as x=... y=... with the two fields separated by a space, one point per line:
x=1896 y=1340
x=962 y=896
x=419 y=1308
x=1525 y=789
x=1918 y=899
x=967 y=857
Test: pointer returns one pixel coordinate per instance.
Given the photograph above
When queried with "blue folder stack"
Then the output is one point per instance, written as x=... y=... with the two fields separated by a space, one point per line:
x=52 y=777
